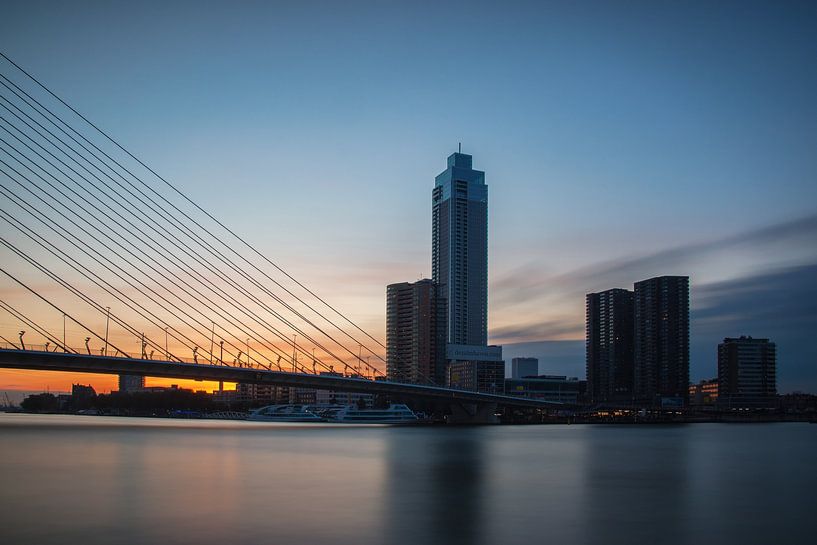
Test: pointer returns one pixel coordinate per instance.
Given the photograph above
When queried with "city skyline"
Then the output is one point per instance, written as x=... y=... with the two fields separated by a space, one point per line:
x=594 y=197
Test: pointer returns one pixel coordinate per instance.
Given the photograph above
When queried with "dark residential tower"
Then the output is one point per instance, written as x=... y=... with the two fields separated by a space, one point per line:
x=662 y=339
x=415 y=333
x=609 y=328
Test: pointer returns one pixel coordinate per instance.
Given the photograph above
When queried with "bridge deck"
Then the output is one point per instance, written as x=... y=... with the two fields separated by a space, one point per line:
x=81 y=363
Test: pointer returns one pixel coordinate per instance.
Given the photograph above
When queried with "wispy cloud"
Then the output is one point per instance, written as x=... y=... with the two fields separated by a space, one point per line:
x=527 y=282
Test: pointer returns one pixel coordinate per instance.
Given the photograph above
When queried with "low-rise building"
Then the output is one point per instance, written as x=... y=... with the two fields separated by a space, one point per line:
x=704 y=394
x=560 y=389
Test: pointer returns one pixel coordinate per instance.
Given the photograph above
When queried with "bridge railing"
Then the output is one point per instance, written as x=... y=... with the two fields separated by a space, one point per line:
x=151 y=355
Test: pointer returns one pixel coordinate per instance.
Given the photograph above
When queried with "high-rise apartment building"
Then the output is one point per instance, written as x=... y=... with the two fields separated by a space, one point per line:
x=747 y=370
x=459 y=249
x=459 y=266
x=609 y=329
x=662 y=340
x=415 y=333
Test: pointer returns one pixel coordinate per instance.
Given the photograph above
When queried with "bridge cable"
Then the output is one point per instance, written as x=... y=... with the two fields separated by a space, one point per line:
x=303 y=334
x=67 y=315
x=254 y=250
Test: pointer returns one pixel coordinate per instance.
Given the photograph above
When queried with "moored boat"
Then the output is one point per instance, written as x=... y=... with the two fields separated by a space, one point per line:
x=284 y=413
x=351 y=414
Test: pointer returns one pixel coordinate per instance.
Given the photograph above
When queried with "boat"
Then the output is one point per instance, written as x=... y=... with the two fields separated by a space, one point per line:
x=352 y=414
x=284 y=413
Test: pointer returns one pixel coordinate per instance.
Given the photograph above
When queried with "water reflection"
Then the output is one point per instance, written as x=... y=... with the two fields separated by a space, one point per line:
x=120 y=481
x=434 y=486
x=627 y=490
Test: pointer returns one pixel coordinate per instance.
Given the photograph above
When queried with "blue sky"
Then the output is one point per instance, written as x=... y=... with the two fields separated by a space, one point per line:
x=619 y=139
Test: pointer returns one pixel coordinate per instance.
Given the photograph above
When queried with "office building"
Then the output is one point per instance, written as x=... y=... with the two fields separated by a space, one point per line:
x=661 y=374
x=524 y=367
x=477 y=368
x=459 y=267
x=609 y=332
x=560 y=389
x=747 y=373
x=131 y=383
x=415 y=333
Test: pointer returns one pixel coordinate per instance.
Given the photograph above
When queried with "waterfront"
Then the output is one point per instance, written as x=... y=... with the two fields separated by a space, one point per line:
x=76 y=479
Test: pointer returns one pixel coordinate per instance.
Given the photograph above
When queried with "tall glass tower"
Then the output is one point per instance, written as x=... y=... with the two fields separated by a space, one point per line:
x=459 y=260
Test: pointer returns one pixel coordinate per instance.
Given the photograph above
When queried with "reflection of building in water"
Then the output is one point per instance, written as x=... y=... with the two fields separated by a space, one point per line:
x=435 y=485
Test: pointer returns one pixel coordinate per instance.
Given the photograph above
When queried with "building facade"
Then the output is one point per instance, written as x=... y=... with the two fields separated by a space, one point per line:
x=415 y=333
x=459 y=249
x=459 y=267
x=609 y=340
x=747 y=373
x=662 y=340
x=524 y=367
x=131 y=383
x=704 y=394
x=559 y=389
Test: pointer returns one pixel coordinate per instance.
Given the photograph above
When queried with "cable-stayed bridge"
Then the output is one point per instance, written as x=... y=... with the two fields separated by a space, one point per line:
x=97 y=244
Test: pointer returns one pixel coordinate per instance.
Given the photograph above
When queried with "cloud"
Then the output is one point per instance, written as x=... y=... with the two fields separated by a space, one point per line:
x=549 y=329
x=527 y=282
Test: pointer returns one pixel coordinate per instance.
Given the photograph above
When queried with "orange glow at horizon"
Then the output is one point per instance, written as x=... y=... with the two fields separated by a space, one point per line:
x=54 y=381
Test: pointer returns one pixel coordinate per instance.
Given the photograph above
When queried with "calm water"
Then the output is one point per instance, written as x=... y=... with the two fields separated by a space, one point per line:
x=74 y=479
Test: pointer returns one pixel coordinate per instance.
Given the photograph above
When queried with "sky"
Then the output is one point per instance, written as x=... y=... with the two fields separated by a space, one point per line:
x=620 y=141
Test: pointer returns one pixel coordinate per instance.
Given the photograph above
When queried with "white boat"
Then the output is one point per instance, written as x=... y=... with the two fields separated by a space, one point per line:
x=284 y=413
x=351 y=414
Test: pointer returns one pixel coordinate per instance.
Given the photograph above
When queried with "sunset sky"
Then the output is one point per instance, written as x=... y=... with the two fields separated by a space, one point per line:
x=620 y=141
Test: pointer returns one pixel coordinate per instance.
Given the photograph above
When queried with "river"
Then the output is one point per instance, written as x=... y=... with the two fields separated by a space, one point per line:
x=105 y=480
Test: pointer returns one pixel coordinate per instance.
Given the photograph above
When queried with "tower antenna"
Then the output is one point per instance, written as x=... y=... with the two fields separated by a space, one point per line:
x=459 y=147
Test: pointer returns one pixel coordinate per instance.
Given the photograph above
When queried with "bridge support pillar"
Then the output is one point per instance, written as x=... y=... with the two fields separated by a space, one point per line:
x=472 y=413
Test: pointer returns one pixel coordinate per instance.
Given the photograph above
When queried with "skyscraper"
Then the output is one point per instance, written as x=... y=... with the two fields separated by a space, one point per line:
x=662 y=339
x=609 y=345
x=415 y=333
x=459 y=266
x=459 y=249
x=747 y=372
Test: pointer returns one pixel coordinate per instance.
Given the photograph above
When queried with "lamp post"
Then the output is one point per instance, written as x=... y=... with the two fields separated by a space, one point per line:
x=212 y=338
x=107 y=324
x=294 y=354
